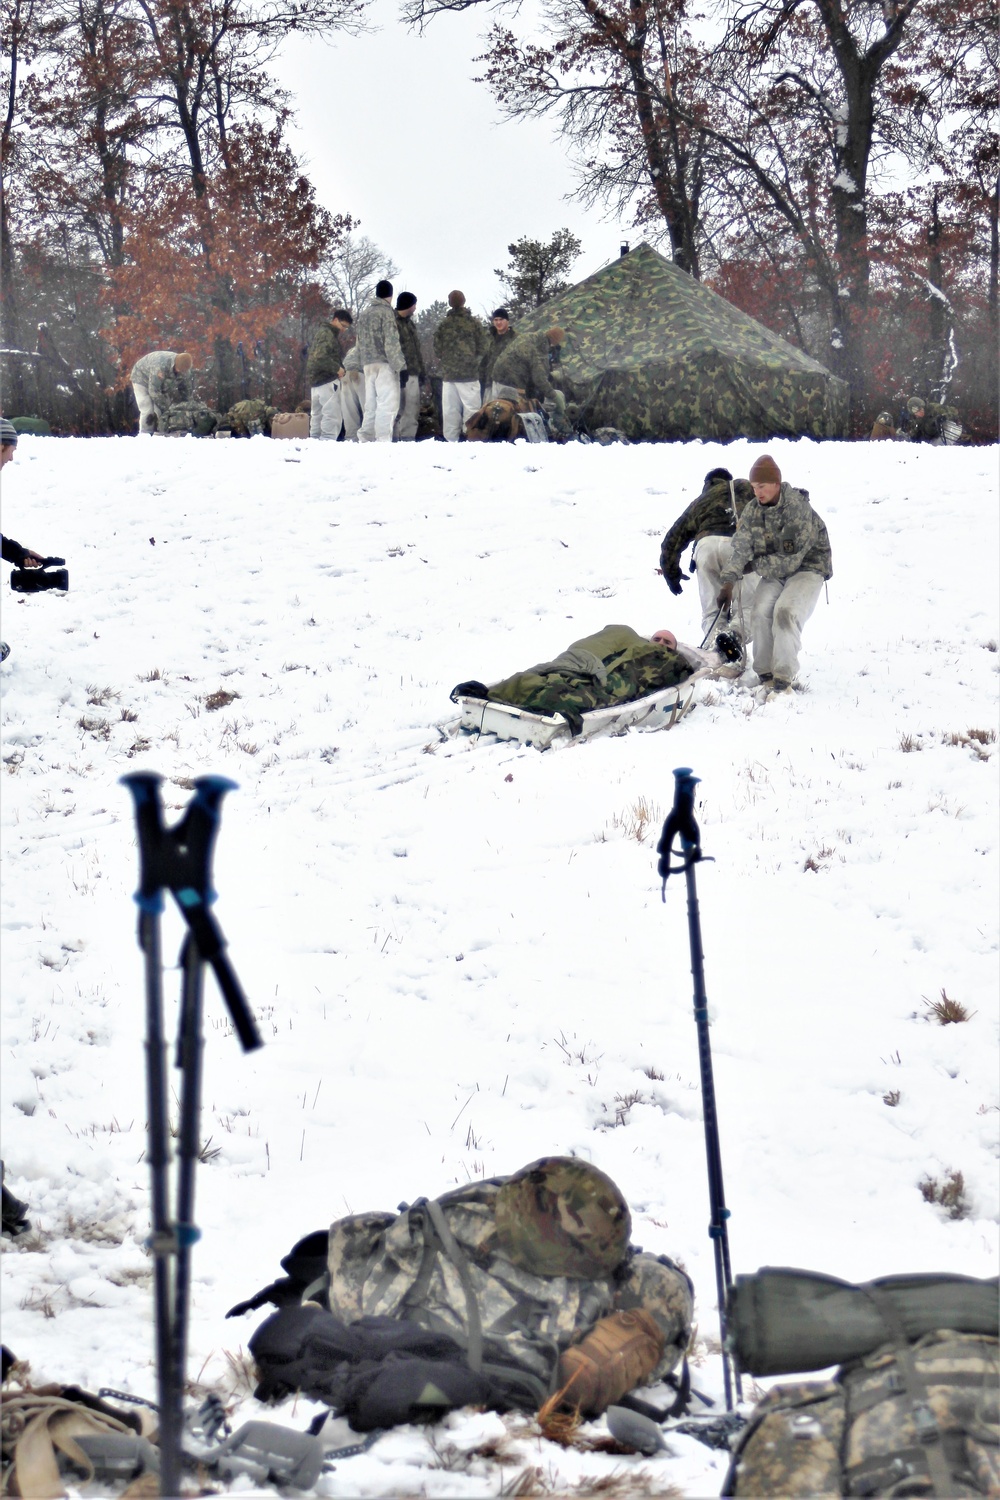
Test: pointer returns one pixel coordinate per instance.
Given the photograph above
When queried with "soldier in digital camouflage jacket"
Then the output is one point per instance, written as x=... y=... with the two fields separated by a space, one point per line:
x=382 y=359
x=709 y=522
x=160 y=380
x=786 y=543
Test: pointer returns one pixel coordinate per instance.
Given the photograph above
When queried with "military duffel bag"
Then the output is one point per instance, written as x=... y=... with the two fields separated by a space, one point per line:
x=921 y=1419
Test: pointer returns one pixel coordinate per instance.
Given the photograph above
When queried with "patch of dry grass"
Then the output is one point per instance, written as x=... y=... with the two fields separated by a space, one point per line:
x=946 y=1011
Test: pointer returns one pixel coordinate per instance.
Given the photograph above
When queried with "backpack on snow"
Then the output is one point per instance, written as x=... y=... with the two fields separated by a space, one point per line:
x=914 y=1408
x=879 y=1428
x=506 y=1275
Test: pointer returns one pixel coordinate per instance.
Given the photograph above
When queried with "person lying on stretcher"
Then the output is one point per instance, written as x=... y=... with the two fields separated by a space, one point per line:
x=617 y=665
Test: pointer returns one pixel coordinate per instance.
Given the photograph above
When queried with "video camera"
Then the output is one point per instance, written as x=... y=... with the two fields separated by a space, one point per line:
x=36 y=580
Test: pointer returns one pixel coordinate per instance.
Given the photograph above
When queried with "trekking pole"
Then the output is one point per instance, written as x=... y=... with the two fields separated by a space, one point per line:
x=188 y=1058
x=161 y=1241
x=178 y=860
x=708 y=632
x=681 y=822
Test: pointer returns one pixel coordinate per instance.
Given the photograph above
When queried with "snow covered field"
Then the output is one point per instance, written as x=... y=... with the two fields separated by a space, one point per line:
x=457 y=949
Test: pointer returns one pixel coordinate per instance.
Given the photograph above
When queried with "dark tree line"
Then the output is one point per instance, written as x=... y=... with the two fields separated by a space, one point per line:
x=150 y=199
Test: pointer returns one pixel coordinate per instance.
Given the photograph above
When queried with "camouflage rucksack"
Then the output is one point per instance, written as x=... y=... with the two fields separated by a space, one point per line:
x=515 y=1270
x=487 y=1287
x=189 y=416
x=917 y=1420
x=250 y=418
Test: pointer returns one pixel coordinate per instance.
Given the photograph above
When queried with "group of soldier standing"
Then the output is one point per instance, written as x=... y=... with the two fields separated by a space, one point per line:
x=366 y=377
x=370 y=385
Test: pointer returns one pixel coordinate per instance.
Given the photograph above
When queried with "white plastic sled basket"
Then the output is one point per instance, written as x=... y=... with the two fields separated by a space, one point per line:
x=660 y=710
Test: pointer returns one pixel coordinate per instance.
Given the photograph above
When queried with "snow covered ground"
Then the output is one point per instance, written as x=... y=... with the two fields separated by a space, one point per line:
x=457 y=949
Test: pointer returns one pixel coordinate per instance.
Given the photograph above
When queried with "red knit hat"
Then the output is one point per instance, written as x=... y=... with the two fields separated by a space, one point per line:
x=765 y=471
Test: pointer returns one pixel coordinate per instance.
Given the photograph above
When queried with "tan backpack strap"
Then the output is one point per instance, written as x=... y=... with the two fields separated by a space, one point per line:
x=51 y=1423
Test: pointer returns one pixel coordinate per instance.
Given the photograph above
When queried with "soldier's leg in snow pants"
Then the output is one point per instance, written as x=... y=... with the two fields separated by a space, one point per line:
x=381 y=403
x=145 y=405
x=459 y=401
x=352 y=403
x=324 y=415
x=711 y=557
x=781 y=608
x=409 y=410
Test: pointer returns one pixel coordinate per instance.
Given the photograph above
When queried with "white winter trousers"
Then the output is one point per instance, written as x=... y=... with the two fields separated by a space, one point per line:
x=381 y=403
x=352 y=403
x=459 y=401
x=409 y=410
x=325 y=419
x=781 y=607
x=144 y=402
x=711 y=558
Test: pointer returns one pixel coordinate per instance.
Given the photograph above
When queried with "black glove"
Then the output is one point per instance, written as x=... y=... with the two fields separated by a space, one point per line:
x=673 y=581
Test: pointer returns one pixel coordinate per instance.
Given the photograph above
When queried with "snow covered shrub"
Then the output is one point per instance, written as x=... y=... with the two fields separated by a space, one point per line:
x=949 y=1194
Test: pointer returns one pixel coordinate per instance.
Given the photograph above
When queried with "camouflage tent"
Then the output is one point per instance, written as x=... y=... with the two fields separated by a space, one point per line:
x=653 y=352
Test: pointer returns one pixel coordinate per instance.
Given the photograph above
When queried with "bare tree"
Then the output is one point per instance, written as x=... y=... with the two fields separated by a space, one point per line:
x=349 y=276
x=623 y=80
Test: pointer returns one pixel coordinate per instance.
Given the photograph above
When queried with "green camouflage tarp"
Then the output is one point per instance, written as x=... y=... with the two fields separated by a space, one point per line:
x=653 y=352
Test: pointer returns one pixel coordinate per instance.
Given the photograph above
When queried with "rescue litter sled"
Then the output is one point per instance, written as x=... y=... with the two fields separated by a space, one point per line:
x=659 y=710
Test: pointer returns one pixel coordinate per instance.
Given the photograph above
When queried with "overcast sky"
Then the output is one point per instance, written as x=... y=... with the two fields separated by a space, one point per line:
x=392 y=130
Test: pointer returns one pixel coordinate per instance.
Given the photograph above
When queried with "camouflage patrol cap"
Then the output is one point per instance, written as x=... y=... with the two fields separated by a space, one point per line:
x=560 y=1216
x=915 y=404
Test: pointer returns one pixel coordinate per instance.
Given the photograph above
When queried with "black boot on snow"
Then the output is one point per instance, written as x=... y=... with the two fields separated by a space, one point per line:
x=728 y=647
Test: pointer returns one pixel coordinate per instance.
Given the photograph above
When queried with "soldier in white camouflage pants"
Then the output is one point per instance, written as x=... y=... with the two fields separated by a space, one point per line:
x=352 y=396
x=711 y=558
x=160 y=380
x=783 y=539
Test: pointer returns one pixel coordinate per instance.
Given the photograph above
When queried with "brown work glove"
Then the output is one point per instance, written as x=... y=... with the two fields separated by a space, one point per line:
x=724 y=598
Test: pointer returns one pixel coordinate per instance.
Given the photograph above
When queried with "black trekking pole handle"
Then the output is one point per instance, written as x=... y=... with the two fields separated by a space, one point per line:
x=179 y=860
x=680 y=823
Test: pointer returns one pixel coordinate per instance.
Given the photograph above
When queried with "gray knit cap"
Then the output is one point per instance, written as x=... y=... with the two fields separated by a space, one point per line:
x=8 y=434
